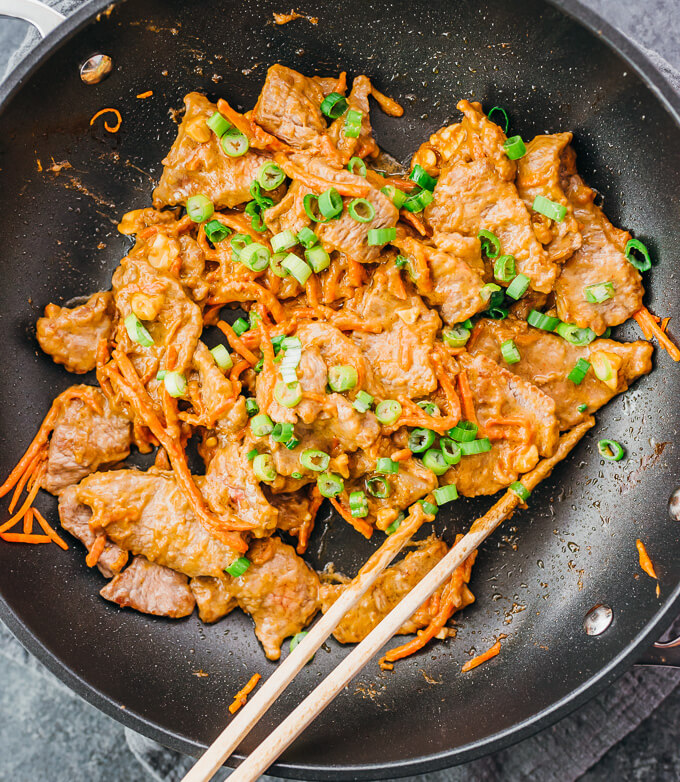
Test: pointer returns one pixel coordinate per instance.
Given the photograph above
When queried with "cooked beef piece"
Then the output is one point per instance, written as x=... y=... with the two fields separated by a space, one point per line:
x=196 y=163
x=289 y=107
x=472 y=196
x=446 y=281
x=600 y=259
x=547 y=359
x=146 y=513
x=279 y=591
x=390 y=588
x=538 y=174
x=517 y=417
x=71 y=335
x=151 y=589
x=214 y=388
x=84 y=441
x=364 y=145
x=75 y=518
x=289 y=213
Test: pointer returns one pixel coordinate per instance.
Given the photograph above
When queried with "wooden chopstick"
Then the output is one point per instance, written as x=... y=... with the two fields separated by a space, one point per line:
x=260 y=760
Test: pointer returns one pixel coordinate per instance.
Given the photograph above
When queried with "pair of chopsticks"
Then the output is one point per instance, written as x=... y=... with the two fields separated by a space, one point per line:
x=284 y=735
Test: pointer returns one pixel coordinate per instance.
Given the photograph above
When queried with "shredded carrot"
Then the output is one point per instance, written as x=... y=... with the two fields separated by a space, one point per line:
x=241 y=696
x=645 y=561
x=449 y=390
x=313 y=291
x=650 y=328
x=30 y=473
x=262 y=295
x=236 y=371
x=20 y=537
x=467 y=402
x=482 y=658
x=33 y=493
x=51 y=534
x=402 y=455
x=523 y=424
x=356 y=273
x=236 y=342
x=28 y=522
x=415 y=221
x=318 y=183
x=146 y=94
x=111 y=128
x=664 y=324
x=304 y=532
x=388 y=105
x=359 y=524
x=257 y=137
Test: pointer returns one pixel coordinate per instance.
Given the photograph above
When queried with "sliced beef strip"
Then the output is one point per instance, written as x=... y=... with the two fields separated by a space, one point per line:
x=472 y=196
x=146 y=513
x=538 y=174
x=84 y=441
x=214 y=387
x=151 y=589
x=214 y=597
x=390 y=588
x=529 y=428
x=71 y=334
x=599 y=259
x=547 y=359
x=75 y=518
x=294 y=509
x=289 y=214
x=196 y=163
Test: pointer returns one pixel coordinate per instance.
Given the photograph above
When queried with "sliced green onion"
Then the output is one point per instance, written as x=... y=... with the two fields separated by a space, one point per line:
x=545 y=206
x=254 y=211
x=379 y=487
x=307 y=237
x=362 y=402
x=334 y=105
x=317 y=258
x=417 y=201
x=490 y=243
x=218 y=124
x=297 y=267
x=263 y=467
x=238 y=242
x=288 y=394
x=420 y=440
x=514 y=147
x=540 y=321
x=252 y=454
x=311 y=205
x=175 y=384
x=283 y=240
x=240 y=326
x=463 y=432
x=467 y=324
x=255 y=257
x=385 y=466
x=270 y=176
x=429 y=507
x=451 y=450
x=476 y=446
x=445 y=494
x=611 y=450
x=575 y=335
x=292 y=443
x=330 y=203
x=504 y=268
x=506 y=121
x=200 y=208
x=643 y=264
x=354 y=163
x=380 y=236
x=161 y=374
x=582 y=408
x=455 y=336
x=431 y=408
x=510 y=352
x=518 y=287
x=259 y=366
x=330 y=484
x=277 y=343
x=297 y=475
x=264 y=202
x=282 y=432
x=388 y=411
x=486 y=291
x=580 y=370
x=238 y=567
x=520 y=490
x=602 y=367
x=222 y=357
x=252 y=408
x=342 y=378
x=253 y=318
x=137 y=331
x=275 y=265
x=435 y=462
x=261 y=425
x=361 y=210
x=353 y=120
x=358 y=504
x=599 y=292
x=295 y=640
x=394 y=526
x=215 y=231
x=422 y=178
x=397 y=197
x=234 y=143
x=311 y=459
x=400 y=261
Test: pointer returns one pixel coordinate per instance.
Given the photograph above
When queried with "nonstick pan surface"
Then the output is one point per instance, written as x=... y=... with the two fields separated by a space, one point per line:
x=539 y=575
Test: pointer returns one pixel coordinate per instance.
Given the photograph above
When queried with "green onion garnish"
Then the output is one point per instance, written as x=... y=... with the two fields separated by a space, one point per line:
x=275 y=265
x=283 y=240
x=397 y=197
x=400 y=261
x=215 y=231
x=353 y=120
x=514 y=147
x=222 y=357
x=394 y=526
x=238 y=242
x=476 y=446
x=599 y=292
x=361 y=210
x=429 y=507
x=234 y=143
x=520 y=490
x=435 y=462
x=379 y=487
x=261 y=425
x=240 y=326
x=297 y=475
x=504 y=268
x=506 y=121
x=311 y=205
x=445 y=494
x=611 y=450
x=582 y=408
x=545 y=206
x=288 y=394
x=510 y=352
x=330 y=484
x=388 y=411
x=455 y=336
x=431 y=408
x=574 y=334
x=362 y=402
x=297 y=267
x=238 y=567
x=385 y=466
x=255 y=257
x=161 y=374
x=357 y=163
x=252 y=454
x=259 y=366
x=420 y=440
x=199 y=208
x=137 y=331
x=380 y=236
x=643 y=264
x=540 y=321
x=416 y=202
x=270 y=176
x=422 y=178
x=295 y=640
x=175 y=384
x=486 y=291
x=358 y=504
x=218 y=124
x=307 y=237
x=282 y=432
x=342 y=378
x=330 y=203
x=317 y=258
x=252 y=408
x=490 y=243
x=602 y=367
x=334 y=105
x=463 y=432
x=263 y=467
x=518 y=287
x=314 y=460
x=451 y=450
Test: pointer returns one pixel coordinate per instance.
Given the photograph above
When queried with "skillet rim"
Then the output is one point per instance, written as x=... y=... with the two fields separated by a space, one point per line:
x=653 y=78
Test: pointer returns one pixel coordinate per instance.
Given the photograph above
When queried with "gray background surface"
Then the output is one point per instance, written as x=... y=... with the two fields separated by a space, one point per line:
x=47 y=733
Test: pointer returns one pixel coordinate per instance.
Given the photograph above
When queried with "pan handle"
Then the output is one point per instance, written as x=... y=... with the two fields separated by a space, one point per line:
x=662 y=653
x=41 y=16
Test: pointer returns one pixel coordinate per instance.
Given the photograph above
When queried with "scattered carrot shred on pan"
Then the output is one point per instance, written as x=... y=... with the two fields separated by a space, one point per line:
x=645 y=561
x=111 y=128
x=482 y=658
x=143 y=95
x=242 y=695
x=651 y=328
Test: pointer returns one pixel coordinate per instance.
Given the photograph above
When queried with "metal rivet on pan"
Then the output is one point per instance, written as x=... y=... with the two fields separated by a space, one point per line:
x=96 y=68
x=674 y=505
x=598 y=619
